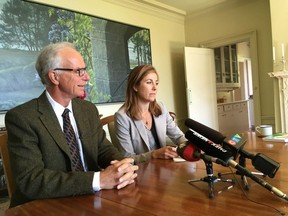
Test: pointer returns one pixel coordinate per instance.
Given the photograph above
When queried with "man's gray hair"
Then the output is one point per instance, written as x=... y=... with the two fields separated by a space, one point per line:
x=49 y=59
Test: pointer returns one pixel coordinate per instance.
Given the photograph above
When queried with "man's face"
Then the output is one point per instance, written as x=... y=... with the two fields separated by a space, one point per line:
x=70 y=84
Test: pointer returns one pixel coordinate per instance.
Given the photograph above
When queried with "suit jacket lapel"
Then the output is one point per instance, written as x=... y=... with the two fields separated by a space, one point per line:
x=141 y=129
x=51 y=123
x=81 y=119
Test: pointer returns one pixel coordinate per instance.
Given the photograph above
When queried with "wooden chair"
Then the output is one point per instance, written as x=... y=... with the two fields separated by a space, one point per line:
x=6 y=164
x=109 y=121
x=173 y=115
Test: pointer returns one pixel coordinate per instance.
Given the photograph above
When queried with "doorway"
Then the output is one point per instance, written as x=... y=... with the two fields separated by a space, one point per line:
x=249 y=66
x=234 y=92
x=245 y=92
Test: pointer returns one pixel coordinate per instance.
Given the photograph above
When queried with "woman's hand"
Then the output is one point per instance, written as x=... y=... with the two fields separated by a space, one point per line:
x=166 y=152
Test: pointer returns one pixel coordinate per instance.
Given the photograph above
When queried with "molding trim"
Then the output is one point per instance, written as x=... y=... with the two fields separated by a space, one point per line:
x=153 y=8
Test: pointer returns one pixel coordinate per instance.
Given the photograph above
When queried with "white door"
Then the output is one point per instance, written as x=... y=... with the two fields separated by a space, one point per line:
x=201 y=86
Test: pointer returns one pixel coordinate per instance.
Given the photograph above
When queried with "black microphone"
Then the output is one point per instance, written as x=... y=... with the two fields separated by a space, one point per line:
x=216 y=150
x=260 y=161
x=206 y=145
x=235 y=144
x=210 y=133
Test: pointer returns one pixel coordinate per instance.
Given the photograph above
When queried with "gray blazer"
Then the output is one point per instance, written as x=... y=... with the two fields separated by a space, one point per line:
x=40 y=155
x=133 y=139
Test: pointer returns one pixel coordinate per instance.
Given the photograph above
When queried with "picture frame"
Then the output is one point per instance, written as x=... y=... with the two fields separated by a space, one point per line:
x=110 y=50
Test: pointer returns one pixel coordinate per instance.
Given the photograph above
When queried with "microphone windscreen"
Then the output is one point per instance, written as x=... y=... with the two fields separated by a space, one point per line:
x=209 y=133
x=187 y=150
x=207 y=146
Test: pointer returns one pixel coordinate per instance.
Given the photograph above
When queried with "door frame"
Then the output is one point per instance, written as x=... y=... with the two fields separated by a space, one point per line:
x=250 y=36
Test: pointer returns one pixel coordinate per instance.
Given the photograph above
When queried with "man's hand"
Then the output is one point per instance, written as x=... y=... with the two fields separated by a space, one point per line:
x=119 y=174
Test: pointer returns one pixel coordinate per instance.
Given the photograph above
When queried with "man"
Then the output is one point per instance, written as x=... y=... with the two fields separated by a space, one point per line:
x=41 y=162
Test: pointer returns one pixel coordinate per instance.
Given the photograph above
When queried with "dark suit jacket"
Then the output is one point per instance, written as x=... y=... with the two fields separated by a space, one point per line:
x=40 y=155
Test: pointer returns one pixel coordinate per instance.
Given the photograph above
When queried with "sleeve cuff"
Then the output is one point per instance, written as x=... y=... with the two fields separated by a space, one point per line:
x=96 y=182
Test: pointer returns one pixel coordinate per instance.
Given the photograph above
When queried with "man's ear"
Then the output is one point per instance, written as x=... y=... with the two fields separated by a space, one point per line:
x=53 y=76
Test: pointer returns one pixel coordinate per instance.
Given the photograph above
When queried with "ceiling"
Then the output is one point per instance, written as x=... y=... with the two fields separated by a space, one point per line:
x=186 y=6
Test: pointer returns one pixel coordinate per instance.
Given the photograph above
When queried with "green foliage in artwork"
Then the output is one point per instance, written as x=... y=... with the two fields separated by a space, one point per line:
x=141 y=44
x=19 y=28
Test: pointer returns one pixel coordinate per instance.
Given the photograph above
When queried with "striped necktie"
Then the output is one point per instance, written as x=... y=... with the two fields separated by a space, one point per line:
x=71 y=140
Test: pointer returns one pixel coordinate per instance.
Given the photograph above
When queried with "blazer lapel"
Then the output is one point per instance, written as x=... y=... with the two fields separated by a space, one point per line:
x=141 y=129
x=50 y=121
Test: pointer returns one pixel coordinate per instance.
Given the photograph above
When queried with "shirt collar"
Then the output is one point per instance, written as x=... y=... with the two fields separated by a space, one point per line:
x=58 y=108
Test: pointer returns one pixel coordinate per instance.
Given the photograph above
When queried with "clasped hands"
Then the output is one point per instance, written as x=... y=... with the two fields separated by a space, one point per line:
x=119 y=174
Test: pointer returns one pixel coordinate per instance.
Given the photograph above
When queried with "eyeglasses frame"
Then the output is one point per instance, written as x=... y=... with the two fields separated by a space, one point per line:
x=80 y=71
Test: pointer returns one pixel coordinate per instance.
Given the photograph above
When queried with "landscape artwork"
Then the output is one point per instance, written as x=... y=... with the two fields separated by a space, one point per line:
x=110 y=50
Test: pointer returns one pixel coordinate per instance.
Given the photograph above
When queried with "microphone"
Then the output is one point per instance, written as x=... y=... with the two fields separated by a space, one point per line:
x=234 y=144
x=210 y=148
x=258 y=180
x=263 y=163
x=210 y=133
x=187 y=151
x=260 y=161
x=216 y=150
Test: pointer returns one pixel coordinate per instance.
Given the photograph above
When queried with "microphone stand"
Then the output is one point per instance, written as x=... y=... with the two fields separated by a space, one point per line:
x=242 y=162
x=210 y=178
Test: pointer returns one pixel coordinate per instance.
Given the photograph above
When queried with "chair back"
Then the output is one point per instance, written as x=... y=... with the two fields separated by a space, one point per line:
x=173 y=115
x=109 y=121
x=6 y=164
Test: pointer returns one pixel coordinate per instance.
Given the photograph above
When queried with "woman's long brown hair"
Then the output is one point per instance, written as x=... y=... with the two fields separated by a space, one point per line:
x=131 y=100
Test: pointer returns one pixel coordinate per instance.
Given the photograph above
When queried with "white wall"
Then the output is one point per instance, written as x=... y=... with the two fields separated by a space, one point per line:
x=167 y=41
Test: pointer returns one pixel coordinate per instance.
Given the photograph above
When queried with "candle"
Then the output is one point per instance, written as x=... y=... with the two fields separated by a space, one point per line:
x=273 y=53
x=283 y=50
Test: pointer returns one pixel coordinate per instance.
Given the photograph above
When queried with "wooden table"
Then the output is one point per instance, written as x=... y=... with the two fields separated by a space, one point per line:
x=162 y=189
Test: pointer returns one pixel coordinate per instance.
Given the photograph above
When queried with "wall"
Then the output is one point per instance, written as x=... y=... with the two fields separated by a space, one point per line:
x=167 y=41
x=238 y=17
x=279 y=19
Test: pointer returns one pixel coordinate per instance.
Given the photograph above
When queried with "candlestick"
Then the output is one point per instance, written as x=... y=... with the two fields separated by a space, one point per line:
x=283 y=64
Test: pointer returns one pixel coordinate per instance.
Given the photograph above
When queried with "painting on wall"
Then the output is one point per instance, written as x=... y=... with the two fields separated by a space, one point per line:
x=110 y=50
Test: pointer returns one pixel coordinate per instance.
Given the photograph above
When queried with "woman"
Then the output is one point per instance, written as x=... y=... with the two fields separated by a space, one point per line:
x=142 y=123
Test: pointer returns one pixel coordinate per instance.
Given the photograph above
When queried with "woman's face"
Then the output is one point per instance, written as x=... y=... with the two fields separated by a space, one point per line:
x=147 y=89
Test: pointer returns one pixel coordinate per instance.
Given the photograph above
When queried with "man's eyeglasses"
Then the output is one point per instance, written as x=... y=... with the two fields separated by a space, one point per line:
x=80 y=71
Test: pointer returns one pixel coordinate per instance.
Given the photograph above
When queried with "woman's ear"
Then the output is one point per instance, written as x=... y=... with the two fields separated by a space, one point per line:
x=135 y=89
x=53 y=76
